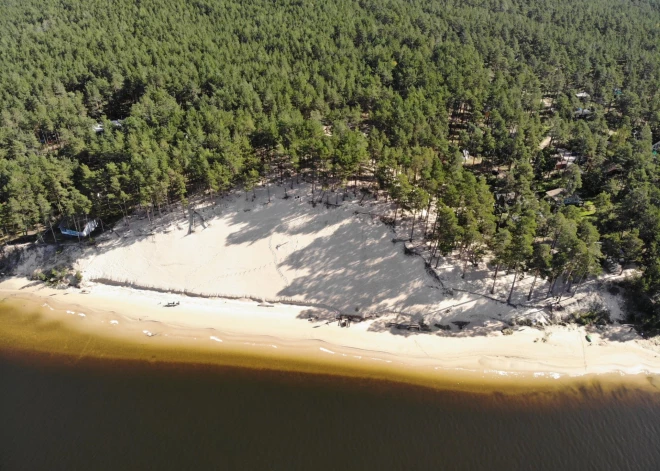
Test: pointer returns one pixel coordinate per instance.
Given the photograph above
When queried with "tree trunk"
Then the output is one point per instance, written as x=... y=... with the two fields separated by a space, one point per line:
x=435 y=249
x=75 y=224
x=554 y=242
x=52 y=231
x=412 y=231
x=435 y=224
x=561 y=293
x=395 y=211
x=531 y=289
x=582 y=277
x=551 y=290
x=513 y=285
x=568 y=280
x=126 y=214
x=497 y=269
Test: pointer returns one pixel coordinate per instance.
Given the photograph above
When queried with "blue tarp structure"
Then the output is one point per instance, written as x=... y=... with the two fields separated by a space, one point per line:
x=87 y=229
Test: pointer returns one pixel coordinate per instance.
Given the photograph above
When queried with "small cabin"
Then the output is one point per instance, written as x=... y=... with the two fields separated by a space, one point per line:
x=581 y=112
x=502 y=199
x=75 y=228
x=555 y=195
x=98 y=127
x=574 y=200
x=564 y=159
x=613 y=169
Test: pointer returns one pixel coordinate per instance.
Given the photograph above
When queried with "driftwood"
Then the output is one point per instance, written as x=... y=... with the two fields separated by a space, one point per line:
x=349 y=317
x=411 y=326
x=460 y=324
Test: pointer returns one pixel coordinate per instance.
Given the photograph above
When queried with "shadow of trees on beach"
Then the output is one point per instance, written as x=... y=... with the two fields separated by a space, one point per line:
x=353 y=266
x=357 y=269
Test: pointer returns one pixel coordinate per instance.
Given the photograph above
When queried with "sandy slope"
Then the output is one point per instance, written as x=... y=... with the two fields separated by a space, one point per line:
x=337 y=260
x=330 y=256
x=286 y=249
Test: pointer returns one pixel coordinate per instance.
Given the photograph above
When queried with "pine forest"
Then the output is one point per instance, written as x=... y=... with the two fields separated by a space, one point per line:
x=526 y=129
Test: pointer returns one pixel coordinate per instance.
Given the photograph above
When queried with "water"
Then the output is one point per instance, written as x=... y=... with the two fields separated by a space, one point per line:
x=111 y=415
x=81 y=410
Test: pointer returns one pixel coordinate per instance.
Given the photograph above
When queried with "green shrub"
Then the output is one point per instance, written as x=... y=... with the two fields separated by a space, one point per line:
x=596 y=313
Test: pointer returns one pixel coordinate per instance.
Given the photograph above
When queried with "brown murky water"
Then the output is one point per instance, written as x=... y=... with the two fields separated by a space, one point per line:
x=70 y=412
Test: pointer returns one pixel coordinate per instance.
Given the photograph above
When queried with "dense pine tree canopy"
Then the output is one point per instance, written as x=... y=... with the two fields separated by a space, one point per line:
x=106 y=107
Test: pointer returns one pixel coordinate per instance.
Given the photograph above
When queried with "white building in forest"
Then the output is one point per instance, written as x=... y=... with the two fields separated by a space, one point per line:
x=77 y=229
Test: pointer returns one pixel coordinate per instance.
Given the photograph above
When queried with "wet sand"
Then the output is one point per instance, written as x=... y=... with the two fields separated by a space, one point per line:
x=122 y=323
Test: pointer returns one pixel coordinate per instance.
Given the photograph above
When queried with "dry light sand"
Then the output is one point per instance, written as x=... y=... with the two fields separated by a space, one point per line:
x=324 y=260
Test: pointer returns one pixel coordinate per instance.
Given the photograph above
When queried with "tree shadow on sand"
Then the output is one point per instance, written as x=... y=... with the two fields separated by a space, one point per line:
x=357 y=269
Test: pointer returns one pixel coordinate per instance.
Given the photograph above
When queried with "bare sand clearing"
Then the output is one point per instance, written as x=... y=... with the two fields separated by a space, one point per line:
x=283 y=250
x=342 y=258
x=328 y=260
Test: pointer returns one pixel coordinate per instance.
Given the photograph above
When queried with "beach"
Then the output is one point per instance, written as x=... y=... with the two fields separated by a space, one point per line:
x=274 y=336
x=270 y=280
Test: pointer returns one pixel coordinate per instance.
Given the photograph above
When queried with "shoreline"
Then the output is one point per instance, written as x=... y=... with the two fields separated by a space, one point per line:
x=135 y=324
